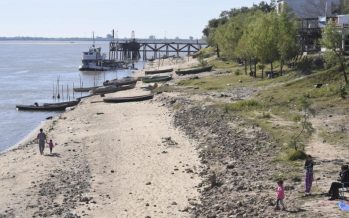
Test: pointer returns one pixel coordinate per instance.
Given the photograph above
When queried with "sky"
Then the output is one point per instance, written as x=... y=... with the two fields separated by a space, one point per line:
x=79 y=18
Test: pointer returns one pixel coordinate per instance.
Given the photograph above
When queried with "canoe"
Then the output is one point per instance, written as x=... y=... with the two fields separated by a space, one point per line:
x=68 y=103
x=85 y=89
x=154 y=79
x=128 y=99
x=194 y=70
x=151 y=72
x=120 y=82
x=52 y=107
x=111 y=89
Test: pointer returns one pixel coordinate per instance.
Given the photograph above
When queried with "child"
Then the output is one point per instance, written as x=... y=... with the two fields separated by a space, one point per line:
x=308 y=166
x=280 y=195
x=50 y=145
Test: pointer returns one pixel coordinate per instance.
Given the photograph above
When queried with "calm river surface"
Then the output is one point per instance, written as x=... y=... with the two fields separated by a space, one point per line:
x=28 y=70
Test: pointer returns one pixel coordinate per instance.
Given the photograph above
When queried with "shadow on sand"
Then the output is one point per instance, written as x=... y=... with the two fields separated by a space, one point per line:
x=53 y=155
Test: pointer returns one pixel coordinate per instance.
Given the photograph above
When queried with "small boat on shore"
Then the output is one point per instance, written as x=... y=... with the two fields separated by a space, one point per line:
x=111 y=89
x=36 y=107
x=151 y=72
x=66 y=103
x=154 y=79
x=193 y=70
x=120 y=82
x=128 y=99
x=85 y=89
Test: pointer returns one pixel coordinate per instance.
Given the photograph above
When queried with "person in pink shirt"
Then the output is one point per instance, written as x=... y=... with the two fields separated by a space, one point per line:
x=280 y=195
x=50 y=145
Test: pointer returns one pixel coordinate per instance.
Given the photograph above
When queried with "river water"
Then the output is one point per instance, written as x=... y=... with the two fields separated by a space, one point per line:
x=28 y=71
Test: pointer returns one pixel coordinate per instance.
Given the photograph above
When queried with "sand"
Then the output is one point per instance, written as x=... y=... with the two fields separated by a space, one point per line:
x=111 y=160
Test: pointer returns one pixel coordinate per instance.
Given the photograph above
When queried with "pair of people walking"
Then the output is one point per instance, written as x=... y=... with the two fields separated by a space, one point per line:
x=41 y=137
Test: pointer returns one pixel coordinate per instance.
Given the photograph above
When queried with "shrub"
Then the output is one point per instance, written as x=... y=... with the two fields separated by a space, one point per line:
x=296 y=155
x=237 y=72
x=242 y=105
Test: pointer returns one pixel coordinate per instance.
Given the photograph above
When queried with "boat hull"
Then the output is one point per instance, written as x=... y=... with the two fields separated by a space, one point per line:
x=152 y=72
x=156 y=79
x=128 y=99
x=111 y=89
x=194 y=70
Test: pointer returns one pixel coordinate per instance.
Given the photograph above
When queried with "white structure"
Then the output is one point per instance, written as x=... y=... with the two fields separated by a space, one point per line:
x=309 y=8
x=93 y=60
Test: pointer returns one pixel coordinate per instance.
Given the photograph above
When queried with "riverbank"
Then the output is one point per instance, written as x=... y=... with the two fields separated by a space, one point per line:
x=184 y=153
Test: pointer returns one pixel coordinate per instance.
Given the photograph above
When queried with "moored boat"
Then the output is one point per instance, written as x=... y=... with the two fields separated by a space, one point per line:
x=194 y=70
x=154 y=79
x=151 y=72
x=128 y=99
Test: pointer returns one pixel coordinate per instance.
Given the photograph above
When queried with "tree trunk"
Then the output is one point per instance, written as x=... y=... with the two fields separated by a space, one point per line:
x=255 y=69
x=343 y=68
x=262 y=73
x=281 y=67
x=245 y=62
x=271 y=67
x=250 y=66
x=217 y=51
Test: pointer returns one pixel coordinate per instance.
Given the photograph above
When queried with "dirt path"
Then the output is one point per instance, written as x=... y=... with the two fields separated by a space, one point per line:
x=328 y=158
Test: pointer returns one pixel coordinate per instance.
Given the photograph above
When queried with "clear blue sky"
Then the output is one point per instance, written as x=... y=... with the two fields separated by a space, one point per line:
x=70 y=18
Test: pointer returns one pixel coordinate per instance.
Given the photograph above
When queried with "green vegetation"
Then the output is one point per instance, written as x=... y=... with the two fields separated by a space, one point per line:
x=332 y=40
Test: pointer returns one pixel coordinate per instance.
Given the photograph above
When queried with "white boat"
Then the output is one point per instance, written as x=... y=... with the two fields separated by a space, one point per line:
x=93 y=60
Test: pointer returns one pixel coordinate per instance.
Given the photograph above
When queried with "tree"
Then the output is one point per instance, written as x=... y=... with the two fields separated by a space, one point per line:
x=287 y=39
x=332 y=39
x=264 y=37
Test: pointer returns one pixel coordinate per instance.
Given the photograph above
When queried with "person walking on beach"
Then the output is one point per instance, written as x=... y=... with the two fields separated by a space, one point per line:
x=50 y=145
x=280 y=195
x=309 y=176
x=42 y=140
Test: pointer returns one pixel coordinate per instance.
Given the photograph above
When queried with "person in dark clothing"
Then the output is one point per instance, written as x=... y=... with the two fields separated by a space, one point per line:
x=309 y=176
x=344 y=178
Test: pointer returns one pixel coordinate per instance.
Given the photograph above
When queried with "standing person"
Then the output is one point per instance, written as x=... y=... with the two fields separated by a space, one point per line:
x=50 y=145
x=280 y=195
x=309 y=175
x=42 y=139
x=343 y=181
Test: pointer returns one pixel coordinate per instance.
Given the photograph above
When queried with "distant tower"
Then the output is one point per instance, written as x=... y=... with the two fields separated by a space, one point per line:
x=133 y=35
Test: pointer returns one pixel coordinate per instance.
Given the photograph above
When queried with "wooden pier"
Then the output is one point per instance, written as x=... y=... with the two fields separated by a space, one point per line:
x=152 y=49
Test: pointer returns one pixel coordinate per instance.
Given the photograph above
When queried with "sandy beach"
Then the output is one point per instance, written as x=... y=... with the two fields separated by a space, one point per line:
x=177 y=155
x=110 y=160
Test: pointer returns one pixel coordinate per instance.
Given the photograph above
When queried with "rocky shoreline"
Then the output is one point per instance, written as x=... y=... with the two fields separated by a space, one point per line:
x=238 y=159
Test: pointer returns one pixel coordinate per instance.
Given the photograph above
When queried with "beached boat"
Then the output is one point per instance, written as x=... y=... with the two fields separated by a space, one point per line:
x=194 y=70
x=151 y=72
x=120 y=82
x=128 y=99
x=85 y=89
x=111 y=89
x=57 y=107
x=66 y=103
x=154 y=79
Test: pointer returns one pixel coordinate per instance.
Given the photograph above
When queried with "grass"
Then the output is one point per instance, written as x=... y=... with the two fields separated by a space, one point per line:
x=336 y=137
x=279 y=97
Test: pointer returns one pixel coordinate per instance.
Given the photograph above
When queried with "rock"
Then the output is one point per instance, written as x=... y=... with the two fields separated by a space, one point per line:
x=174 y=203
x=148 y=183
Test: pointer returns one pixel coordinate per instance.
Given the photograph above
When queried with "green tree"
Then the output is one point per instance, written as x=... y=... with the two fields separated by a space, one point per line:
x=287 y=39
x=264 y=36
x=332 y=39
